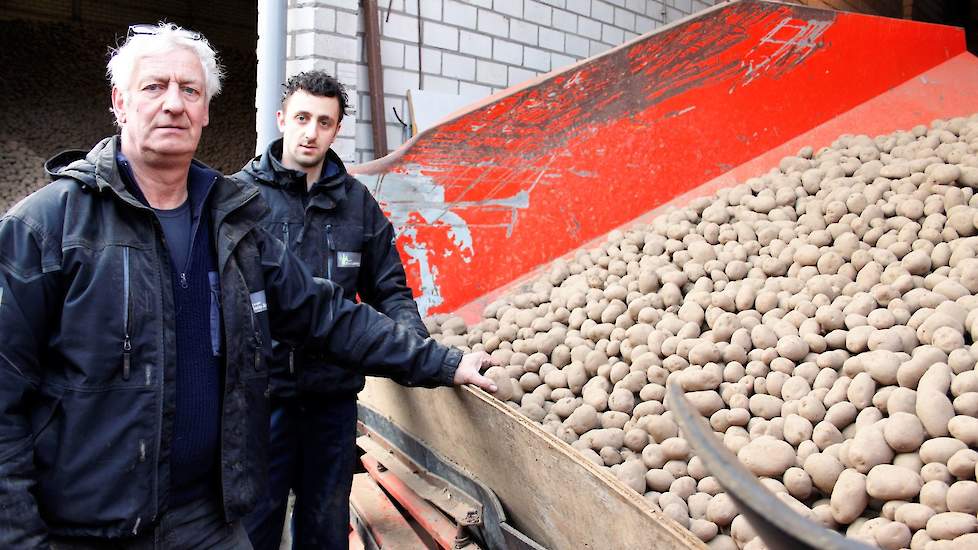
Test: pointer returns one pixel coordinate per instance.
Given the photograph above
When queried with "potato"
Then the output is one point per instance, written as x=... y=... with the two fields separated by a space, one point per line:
x=767 y=456
x=914 y=515
x=934 y=410
x=934 y=494
x=903 y=432
x=948 y=525
x=721 y=510
x=632 y=474
x=964 y=429
x=621 y=400
x=659 y=479
x=821 y=316
x=887 y=482
x=584 y=418
x=675 y=448
x=935 y=471
x=849 y=497
x=962 y=496
x=892 y=536
x=705 y=530
x=869 y=449
x=798 y=483
x=765 y=406
x=962 y=463
x=824 y=470
x=498 y=375
x=940 y=449
x=565 y=406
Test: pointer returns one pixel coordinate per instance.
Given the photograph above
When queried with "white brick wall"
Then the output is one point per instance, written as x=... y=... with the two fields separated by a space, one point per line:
x=471 y=47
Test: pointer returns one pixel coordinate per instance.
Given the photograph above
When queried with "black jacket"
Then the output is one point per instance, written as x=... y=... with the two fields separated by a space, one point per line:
x=339 y=231
x=84 y=441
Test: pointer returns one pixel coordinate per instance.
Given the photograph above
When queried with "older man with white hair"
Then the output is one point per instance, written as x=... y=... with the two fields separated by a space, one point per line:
x=138 y=302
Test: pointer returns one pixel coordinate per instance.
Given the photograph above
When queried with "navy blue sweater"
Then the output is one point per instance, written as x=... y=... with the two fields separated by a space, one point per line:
x=196 y=294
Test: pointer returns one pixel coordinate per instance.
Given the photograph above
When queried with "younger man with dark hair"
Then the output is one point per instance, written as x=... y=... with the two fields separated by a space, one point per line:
x=335 y=226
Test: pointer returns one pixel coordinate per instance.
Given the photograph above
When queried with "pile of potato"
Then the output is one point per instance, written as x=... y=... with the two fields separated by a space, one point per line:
x=54 y=96
x=823 y=316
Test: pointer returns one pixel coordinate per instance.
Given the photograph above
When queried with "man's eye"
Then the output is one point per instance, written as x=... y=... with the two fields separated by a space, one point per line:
x=300 y=118
x=191 y=91
x=153 y=87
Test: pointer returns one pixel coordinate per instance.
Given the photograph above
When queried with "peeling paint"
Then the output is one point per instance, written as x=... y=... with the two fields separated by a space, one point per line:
x=411 y=194
x=794 y=40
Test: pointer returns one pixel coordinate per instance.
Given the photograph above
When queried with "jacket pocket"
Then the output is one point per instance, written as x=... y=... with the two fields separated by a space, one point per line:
x=94 y=458
x=261 y=341
x=46 y=412
x=344 y=255
x=214 y=282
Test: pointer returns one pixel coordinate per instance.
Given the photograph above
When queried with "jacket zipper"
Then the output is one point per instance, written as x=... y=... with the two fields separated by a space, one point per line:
x=258 y=342
x=126 y=342
x=329 y=252
x=157 y=443
x=184 y=283
x=285 y=232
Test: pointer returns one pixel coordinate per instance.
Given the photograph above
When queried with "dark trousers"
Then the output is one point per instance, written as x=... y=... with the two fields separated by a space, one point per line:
x=197 y=524
x=312 y=452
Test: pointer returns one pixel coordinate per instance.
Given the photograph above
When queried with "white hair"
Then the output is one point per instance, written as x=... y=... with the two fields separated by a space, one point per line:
x=165 y=38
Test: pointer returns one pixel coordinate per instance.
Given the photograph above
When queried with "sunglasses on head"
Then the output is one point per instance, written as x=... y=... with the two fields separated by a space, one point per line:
x=150 y=30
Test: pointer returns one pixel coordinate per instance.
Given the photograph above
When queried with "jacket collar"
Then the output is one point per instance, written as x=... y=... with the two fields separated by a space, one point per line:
x=99 y=170
x=326 y=193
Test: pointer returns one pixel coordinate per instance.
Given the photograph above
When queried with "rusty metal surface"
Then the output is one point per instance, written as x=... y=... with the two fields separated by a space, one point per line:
x=537 y=170
x=456 y=491
x=428 y=517
x=383 y=522
x=461 y=507
x=375 y=76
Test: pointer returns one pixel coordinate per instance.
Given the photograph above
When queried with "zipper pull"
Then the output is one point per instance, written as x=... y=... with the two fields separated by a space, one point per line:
x=291 y=361
x=257 y=350
x=183 y=281
x=126 y=349
x=329 y=252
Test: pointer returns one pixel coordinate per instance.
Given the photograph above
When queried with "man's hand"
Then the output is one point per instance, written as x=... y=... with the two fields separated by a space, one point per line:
x=468 y=371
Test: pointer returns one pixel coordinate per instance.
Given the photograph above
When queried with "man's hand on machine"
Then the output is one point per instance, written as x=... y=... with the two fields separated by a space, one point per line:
x=469 y=368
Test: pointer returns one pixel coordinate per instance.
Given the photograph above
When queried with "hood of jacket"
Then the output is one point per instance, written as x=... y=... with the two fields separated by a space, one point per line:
x=92 y=169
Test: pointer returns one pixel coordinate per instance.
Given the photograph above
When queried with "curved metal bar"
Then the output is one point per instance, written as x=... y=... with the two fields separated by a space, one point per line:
x=780 y=527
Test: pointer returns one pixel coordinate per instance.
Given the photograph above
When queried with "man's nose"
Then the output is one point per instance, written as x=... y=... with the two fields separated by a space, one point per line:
x=173 y=100
x=310 y=131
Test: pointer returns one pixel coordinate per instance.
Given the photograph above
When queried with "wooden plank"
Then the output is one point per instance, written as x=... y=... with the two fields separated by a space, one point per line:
x=355 y=542
x=428 y=108
x=387 y=527
x=548 y=490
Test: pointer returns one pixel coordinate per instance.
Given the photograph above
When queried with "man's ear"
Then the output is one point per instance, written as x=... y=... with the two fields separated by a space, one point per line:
x=280 y=119
x=119 y=105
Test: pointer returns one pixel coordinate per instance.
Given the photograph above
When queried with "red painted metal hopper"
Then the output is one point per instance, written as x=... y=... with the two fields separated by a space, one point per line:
x=538 y=170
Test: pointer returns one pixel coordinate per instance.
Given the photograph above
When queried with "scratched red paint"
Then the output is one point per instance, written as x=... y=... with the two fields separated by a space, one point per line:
x=623 y=133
